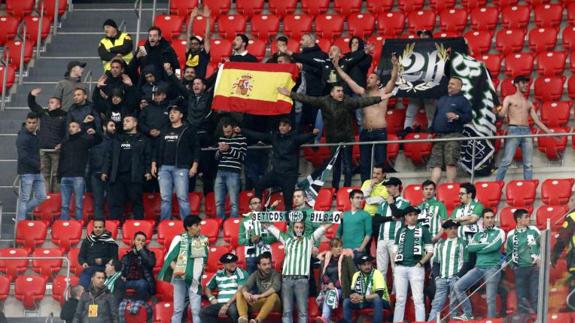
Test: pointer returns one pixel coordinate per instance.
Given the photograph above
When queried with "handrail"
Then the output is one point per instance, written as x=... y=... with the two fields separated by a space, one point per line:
x=138 y=12
x=39 y=38
x=154 y=10
x=22 y=49
x=5 y=62
x=89 y=77
x=56 y=12
x=122 y=26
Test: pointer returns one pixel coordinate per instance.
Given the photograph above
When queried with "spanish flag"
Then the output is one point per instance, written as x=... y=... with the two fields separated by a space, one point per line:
x=252 y=88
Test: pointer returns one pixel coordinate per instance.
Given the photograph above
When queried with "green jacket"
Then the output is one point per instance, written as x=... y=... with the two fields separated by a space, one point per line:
x=486 y=244
x=522 y=246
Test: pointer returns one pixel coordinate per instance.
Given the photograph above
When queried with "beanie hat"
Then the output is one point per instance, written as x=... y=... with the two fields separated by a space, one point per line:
x=111 y=23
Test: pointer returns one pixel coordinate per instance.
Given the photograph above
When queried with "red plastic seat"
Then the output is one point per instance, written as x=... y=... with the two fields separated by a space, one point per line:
x=182 y=8
x=439 y=5
x=244 y=201
x=218 y=7
x=377 y=7
x=59 y=287
x=216 y=252
x=506 y=220
x=360 y=24
x=448 y=193
x=484 y=18
x=47 y=267
x=278 y=255
x=52 y=205
x=257 y=47
x=548 y=15
x=277 y=196
x=342 y=43
x=489 y=193
x=471 y=4
x=30 y=234
x=418 y=153
x=15 y=46
x=210 y=228
x=163 y=312
x=395 y=119
x=551 y=63
x=479 y=41
x=556 y=191
x=9 y=26
x=518 y=64
x=421 y=20
x=571 y=87
x=50 y=8
x=342 y=198
x=568 y=37
x=391 y=24
x=549 y=88
x=20 y=8
x=165 y=291
x=570 y=13
x=559 y=317
x=167 y=230
x=555 y=214
x=231 y=25
x=542 y=39
x=507 y=88
x=509 y=40
x=4 y=288
x=555 y=114
x=13 y=268
x=249 y=7
x=170 y=25
x=30 y=290
x=130 y=228
x=210 y=205
x=347 y=7
x=328 y=26
x=110 y=225
x=453 y=20
x=324 y=199
x=410 y=5
x=392 y=149
x=314 y=7
x=520 y=193
x=232 y=231
x=152 y=201
x=220 y=49
x=75 y=266
x=160 y=253
x=515 y=17
x=282 y=7
x=553 y=148
x=413 y=193
x=265 y=26
x=492 y=63
x=297 y=25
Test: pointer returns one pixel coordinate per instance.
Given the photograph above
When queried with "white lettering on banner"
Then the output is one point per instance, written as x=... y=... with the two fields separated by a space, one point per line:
x=296 y=216
x=326 y=217
x=426 y=70
x=414 y=64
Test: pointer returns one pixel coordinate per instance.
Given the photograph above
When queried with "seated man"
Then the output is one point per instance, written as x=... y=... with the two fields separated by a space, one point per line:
x=267 y=284
x=96 y=251
x=368 y=289
x=226 y=281
x=114 y=280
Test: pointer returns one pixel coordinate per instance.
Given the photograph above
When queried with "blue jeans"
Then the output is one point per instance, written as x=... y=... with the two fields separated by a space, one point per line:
x=86 y=275
x=443 y=288
x=180 y=291
x=32 y=193
x=509 y=151
x=298 y=288
x=527 y=287
x=67 y=186
x=227 y=182
x=170 y=179
x=377 y=304
x=379 y=151
x=141 y=286
x=473 y=277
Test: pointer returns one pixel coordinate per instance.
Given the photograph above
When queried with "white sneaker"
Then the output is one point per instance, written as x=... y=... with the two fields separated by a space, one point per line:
x=463 y=317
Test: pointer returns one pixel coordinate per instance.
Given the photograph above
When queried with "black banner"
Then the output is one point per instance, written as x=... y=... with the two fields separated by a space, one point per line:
x=424 y=65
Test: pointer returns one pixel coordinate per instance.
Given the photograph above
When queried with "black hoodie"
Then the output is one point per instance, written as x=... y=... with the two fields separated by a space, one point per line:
x=313 y=73
x=157 y=56
x=74 y=154
x=28 y=146
x=356 y=64
x=53 y=128
x=116 y=112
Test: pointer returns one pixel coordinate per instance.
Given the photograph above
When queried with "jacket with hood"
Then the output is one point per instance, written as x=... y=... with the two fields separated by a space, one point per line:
x=98 y=154
x=107 y=307
x=141 y=157
x=78 y=112
x=157 y=56
x=154 y=116
x=356 y=65
x=312 y=73
x=52 y=124
x=187 y=148
x=74 y=154
x=65 y=90
x=28 y=146
x=116 y=112
x=146 y=90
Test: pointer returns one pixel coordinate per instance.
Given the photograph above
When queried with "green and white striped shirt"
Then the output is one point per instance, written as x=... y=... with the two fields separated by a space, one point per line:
x=467 y=231
x=450 y=255
x=388 y=230
x=297 y=251
x=227 y=285
x=433 y=213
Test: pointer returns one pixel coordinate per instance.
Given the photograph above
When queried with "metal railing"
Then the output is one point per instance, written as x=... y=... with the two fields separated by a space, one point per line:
x=24 y=40
x=56 y=12
x=6 y=63
x=88 y=78
x=138 y=12
x=39 y=37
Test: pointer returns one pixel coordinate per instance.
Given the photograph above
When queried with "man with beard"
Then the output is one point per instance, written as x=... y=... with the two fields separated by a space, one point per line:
x=98 y=154
x=150 y=81
x=96 y=251
x=188 y=77
x=240 y=50
x=154 y=117
x=198 y=54
x=115 y=78
x=83 y=112
x=117 y=105
x=114 y=44
x=97 y=304
x=72 y=79
x=156 y=51
x=127 y=166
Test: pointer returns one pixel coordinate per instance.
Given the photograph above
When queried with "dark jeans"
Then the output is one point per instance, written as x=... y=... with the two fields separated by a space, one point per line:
x=86 y=275
x=285 y=182
x=208 y=168
x=527 y=286
x=377 y=304
x=124 y=189
x=141 y=286
x=379 y=151
x=251 y=264
x=99 y=190
x=210 y=312
x=345 y=158
x=256 y=164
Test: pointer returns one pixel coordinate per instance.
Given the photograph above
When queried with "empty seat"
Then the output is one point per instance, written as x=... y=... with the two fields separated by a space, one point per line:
x=30 y=234
x=4 y=288
x=484 y=18
x=265 y=26
x=50 y=8
x=165 y=291
x=571 y=87
x=170 y=25
x=347 y=7
x=30 y=290
x=75 y=266
x=297 y=25
x=568 y=37
x=410 y=5
x=395 y=119
x=314 y=7
x=492 y=63
x=509 y=40
x=471 y=4
x=448 y=193
x=210 y=205
x=549 y=88
x=9 y=26
x=167 y=230
x=282 y=7
x=551 y=63
x=218 y=7
x=130 y=228
x=548 y=15
x=51 y=207
x=439 y=5
x=328 y=26
x=249 y=7
x=152 y=201
x=278 y=255
x=182 y=8
x=20 y=8
x=556 y=191
x=244 y=201
x=542 y=39
x=47 y=267
x=418 y=152
x=379 y=6
x=60 y=286
x=210 y=228
x=231 y=25
x=216 y=253
x=489 y=193
x=507 y=88
x=360 y=24
x=555 y=114
x=342 y=43
x=520 y=193
x=256 y=47
x=518 y=64
x=324 y=199
x=163 y=312
x=15 y=48
x=421 y=20
x=232 y=231
x=13 y=267
x=110 y=225
x=160 y=255
x=515 y=17
x=342 y=198
x=220 y=49
x=553 y=148
x=453 y=20
x=571 y=13
x=413 y=193
x=479 y=41
x=391 y=24
x=556 y=215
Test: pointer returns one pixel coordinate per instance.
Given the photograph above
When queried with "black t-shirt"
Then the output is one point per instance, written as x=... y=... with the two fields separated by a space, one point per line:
x=126 y=148
x=171 y=137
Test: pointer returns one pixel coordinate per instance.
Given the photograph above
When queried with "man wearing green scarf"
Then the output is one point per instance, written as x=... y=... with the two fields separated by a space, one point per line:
x=184 y=266
x=115 y=283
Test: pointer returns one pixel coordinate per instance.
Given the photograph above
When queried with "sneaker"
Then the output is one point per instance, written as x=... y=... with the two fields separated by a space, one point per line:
x=243 y=319
x=463 y=317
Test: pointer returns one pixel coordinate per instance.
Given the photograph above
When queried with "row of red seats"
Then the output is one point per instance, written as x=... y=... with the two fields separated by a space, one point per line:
x=21 y=8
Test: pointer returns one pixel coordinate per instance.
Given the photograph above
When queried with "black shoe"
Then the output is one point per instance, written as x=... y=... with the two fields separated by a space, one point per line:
x=404 y=132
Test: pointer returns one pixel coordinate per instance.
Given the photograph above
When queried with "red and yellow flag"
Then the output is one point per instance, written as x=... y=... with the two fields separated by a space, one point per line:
x=252 y=88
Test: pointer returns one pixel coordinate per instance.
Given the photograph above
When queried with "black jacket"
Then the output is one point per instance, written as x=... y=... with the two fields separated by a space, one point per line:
x=154 y=116
x=53 y=124
x=90 y=251
x=28 y=147
x=187 y=152
x=313 y=73
x=141 y=157
x=74 y=154
x=285 y=158
x=79 y=112
x=356 y=65
x=146 y=261
x=157 y=56
x=116 y=112
x=247 y=58
x=68 y=310
x=98 y=154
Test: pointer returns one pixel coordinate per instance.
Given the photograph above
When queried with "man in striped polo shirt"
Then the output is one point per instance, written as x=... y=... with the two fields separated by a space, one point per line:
x=253 y=237
x=296 y=267
x=232 y=148
x=227 y=281
x=468 y=213
x=449 y=265
x=387 y=221
x=433 y=212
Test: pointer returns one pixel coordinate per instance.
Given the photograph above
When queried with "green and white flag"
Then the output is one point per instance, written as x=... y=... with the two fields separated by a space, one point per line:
x=297 y=216
x=311 y=186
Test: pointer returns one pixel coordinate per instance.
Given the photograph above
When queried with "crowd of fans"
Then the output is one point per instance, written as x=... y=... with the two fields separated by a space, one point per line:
x=145 y=128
